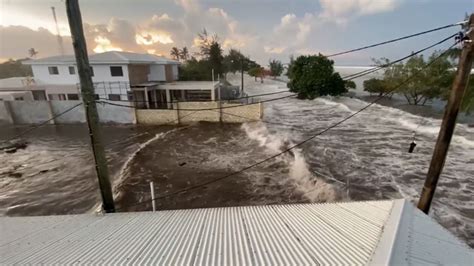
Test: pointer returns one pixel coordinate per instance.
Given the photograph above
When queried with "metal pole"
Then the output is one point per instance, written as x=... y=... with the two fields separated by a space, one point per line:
x=87 y=90
x=152 y=190
x=449 y=120
x=242 y=75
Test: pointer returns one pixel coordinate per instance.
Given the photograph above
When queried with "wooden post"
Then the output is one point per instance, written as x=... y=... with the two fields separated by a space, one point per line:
x=178 y=119
x=449 y=120
x=87 y=90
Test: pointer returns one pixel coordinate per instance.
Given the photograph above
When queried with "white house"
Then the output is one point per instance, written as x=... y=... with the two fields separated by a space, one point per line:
x=116 y=76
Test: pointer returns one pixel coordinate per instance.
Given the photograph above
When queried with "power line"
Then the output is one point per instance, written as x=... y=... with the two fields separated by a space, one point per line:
x=395 y=40
x=221 y=101
x=306 y=140
x=42 y=123
x=374 y=69
x=208 y=109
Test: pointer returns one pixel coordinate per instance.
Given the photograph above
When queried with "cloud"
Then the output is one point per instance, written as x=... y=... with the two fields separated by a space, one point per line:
x=16 y=40
x=341 y=11
x=158 y=33
x=274 y=50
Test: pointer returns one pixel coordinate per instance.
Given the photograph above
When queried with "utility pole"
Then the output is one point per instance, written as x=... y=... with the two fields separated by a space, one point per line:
x=87 y=90
x=449 y=119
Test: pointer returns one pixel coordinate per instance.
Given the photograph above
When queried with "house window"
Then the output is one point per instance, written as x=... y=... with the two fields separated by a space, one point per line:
x=39 y=95
x=72 y=70
x=92 y=71
x=57 y=97
x=116 y=71
x=19 y=99
x=114 y=97
x=53 y=70
x=73 y=96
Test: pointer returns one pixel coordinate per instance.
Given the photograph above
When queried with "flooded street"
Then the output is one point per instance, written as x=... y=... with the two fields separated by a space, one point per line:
x=55 y=173
x=365 y=158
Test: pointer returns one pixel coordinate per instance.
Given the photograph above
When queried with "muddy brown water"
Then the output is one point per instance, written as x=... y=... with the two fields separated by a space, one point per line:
x=365 y=158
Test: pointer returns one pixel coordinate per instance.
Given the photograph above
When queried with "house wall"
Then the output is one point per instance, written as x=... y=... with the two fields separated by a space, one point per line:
x=157 y=73
x=42 y=76
x=11 y=95
x=175 y=72
x=101 y=74
x=138 y=73
x=169 y=73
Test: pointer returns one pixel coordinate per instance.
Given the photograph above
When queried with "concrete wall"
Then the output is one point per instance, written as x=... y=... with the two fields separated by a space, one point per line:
x=30 y=112
x=156 y=117
x=238 y=114
x=116 y=114
x=77 y=115
x=194 y=116
x=5 y=115
x=34 y=112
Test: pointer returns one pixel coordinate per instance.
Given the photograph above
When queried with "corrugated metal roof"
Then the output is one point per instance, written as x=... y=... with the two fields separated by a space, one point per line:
x=302 y=234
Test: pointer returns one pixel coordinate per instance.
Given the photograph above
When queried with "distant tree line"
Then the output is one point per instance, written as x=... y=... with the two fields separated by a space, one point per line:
x=14 y=68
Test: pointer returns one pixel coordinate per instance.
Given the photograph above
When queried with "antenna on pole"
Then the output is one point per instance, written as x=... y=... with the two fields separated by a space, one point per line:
x=60 y=39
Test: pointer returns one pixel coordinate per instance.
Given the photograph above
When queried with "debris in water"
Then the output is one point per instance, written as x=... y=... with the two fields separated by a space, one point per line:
x=182 y=163
x=12 y=147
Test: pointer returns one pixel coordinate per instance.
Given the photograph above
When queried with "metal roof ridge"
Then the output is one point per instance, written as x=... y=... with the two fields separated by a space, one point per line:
x=383 y=252
x=121 y=56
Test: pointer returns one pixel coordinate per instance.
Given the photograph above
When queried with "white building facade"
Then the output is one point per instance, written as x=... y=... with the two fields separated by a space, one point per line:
x=116 y=76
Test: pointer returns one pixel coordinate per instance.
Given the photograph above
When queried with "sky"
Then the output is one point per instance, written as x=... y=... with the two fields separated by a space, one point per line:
x=261 y=29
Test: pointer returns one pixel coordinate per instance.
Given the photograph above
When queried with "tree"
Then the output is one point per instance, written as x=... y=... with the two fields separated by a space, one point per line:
x=349 y=84
x=256 y=72
x=234 y=61
x=374 y=85
x=290 y=65
x=276 y=68
x=468 y=99
x=175 y=54
x=195 y=70
x=429 y=82
x=32 y=52
x=313 y=76
x=205 y=43
x=184 y=53
x=215 y=58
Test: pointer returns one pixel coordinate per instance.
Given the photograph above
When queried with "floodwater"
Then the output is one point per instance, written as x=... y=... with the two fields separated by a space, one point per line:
x=365 y=158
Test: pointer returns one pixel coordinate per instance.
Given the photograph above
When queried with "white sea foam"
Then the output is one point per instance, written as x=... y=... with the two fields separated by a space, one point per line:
x=313 y=188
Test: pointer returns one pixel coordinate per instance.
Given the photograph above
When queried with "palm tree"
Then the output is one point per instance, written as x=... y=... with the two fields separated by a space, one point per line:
x=32 y=52
x=184 y=53
x=175 y=53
